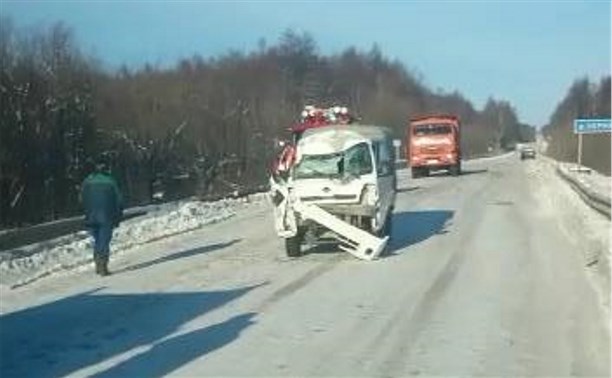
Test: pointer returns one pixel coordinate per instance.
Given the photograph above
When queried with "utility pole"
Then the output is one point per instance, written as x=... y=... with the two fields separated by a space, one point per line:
x=579 y=151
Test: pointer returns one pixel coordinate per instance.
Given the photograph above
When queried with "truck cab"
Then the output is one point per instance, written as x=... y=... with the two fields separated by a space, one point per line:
x=433 y=143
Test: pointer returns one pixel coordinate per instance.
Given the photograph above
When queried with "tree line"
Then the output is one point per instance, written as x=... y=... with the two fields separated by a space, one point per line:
x=584 y=99
x=204 y=127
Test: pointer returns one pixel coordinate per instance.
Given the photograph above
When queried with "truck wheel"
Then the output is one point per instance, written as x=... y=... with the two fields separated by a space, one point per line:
x=416 y=173
x=455 y=170
x=293 y=246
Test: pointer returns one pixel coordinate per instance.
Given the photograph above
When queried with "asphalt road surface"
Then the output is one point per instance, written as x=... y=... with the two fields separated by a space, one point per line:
x=480 y=279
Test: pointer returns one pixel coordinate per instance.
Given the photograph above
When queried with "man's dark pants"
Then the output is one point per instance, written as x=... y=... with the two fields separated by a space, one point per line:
x=102 y=234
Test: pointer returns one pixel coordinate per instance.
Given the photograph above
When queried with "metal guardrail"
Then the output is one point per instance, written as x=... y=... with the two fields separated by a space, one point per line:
x=45 y=231
x=596 y=200
x=20 y=237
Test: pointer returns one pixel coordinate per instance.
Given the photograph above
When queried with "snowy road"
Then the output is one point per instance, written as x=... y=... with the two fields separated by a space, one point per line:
x=486 y=276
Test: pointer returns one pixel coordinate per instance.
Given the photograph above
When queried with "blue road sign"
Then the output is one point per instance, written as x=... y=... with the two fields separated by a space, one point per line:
x=591 y=126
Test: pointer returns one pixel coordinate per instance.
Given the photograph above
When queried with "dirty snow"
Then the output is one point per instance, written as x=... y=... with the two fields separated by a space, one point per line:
x=592 y=180
x=588 y=229
x=26 y=264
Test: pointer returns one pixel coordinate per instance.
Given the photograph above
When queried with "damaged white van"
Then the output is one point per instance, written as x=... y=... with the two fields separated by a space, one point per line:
x=343 y=184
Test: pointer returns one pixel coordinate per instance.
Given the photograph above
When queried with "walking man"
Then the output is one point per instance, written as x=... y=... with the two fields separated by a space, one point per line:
x=103 y=210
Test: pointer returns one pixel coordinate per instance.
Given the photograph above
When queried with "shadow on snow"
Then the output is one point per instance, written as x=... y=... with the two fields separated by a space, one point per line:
x=412 y=227
x=467 y=172
x=408 y=228
x=61 y=337
x=168 y=355
x=178 y=255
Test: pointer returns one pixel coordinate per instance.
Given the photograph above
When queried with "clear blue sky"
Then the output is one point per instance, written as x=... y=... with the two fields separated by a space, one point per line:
x=523 y=51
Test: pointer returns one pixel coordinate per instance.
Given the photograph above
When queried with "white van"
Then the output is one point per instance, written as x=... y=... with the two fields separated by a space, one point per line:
x=348 y=171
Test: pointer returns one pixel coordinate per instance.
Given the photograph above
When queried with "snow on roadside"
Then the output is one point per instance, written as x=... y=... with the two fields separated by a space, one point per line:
x=27 y=264
x=589 y=230
x=592 y=180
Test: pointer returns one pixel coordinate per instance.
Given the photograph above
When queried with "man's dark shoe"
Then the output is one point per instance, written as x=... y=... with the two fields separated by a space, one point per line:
x=104 y=267
x=98 y=263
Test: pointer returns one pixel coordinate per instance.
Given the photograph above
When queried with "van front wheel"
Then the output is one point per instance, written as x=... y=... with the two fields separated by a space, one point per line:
x=386 y=229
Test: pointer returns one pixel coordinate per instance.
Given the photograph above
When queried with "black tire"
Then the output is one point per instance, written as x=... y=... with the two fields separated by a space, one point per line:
x=455 y=170
x=426 y=172
x=388 y=227
x=416 y=173
x=386 y=232
x=366 y=224
x=293 y=246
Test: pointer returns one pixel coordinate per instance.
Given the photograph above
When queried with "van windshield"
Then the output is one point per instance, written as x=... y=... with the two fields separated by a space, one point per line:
x=355 y=161
x=432 y=129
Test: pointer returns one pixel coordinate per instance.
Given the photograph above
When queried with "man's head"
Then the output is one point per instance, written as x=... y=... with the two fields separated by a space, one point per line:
x=102 y=165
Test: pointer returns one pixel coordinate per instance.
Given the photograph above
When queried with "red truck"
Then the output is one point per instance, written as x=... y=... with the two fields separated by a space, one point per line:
x=433 y=143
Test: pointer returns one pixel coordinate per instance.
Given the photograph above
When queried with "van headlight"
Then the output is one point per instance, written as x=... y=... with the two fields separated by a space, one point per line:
x=370 y=195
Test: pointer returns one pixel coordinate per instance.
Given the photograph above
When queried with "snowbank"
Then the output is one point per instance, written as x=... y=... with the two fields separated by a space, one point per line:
x=24 y=265
x=589 y=230
x=592 y=186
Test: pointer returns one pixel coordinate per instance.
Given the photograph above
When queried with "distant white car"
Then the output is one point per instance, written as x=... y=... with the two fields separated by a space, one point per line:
x=527 y=152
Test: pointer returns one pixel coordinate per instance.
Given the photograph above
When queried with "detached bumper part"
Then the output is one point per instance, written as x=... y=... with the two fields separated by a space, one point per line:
x=356 y=241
